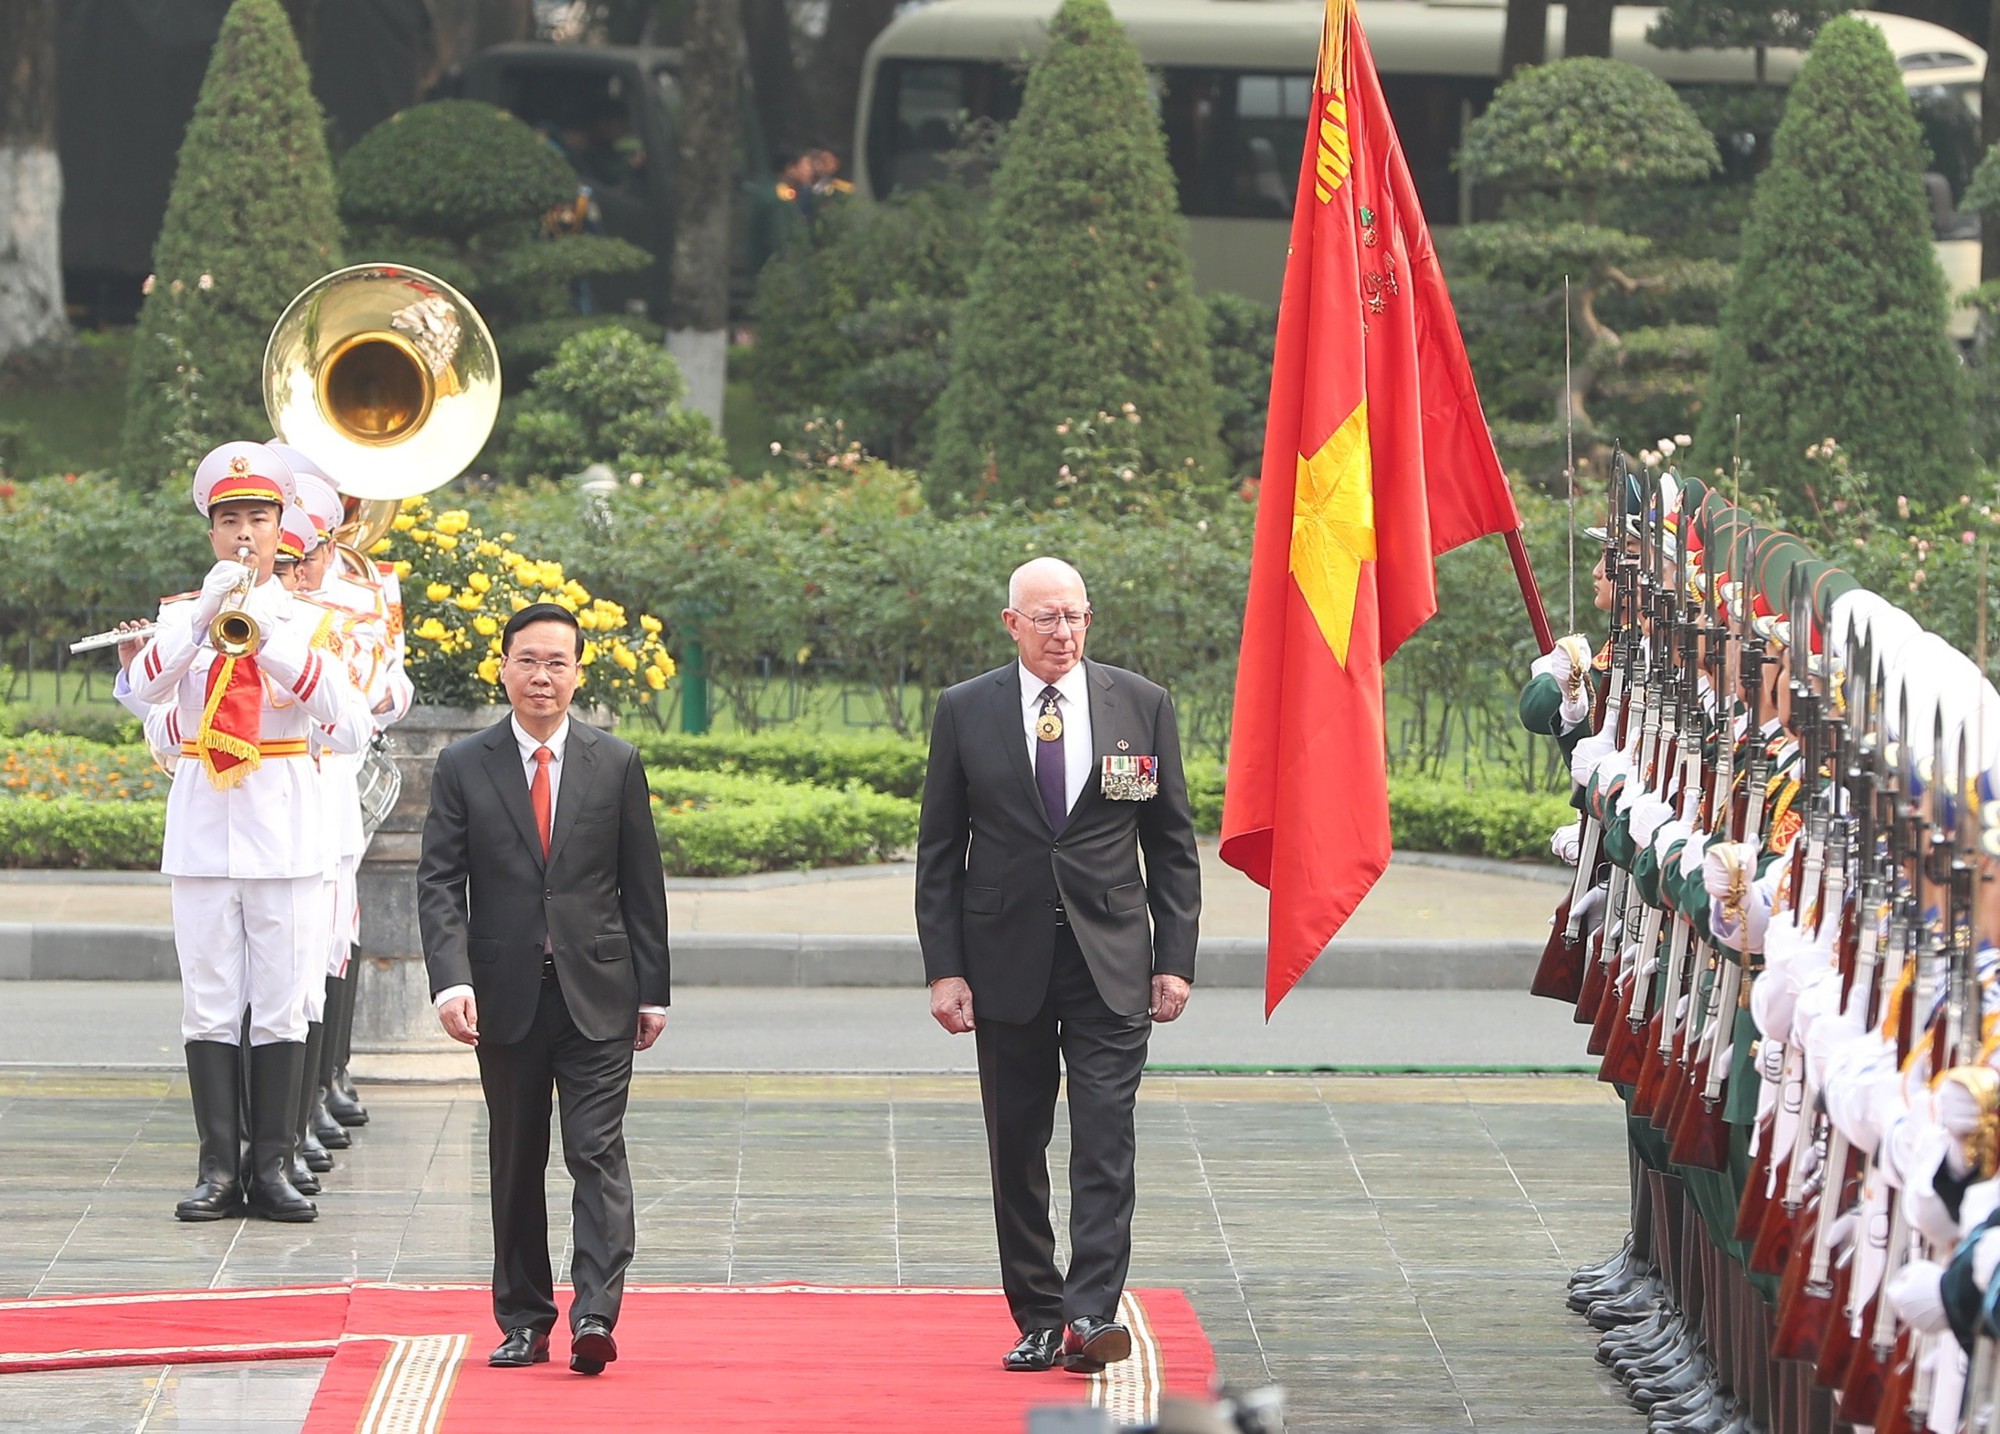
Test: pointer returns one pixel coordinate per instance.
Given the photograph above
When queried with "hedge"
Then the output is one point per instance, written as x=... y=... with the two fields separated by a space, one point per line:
x=110 y=726
x=728 y=824
x=888 y=764
x=720 y=813
x=1508 y=826
x=79 y=832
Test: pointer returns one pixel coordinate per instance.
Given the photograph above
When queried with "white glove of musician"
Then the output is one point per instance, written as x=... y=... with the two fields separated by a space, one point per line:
x=220 y=582
x=1567 y=843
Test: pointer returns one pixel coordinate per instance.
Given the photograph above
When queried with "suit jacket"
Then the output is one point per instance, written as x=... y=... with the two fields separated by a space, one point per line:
x=486 y=900
x=990 y=869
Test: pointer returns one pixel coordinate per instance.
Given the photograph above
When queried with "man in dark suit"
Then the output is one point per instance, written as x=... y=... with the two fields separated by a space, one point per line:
x=544 y=918
x=1047 y=780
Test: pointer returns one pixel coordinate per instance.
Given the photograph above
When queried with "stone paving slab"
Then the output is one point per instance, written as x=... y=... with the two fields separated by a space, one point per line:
x=1378 y=1245
x=137 y=1023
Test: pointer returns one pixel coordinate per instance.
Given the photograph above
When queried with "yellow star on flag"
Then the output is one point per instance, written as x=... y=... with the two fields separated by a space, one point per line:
x=1333 y=528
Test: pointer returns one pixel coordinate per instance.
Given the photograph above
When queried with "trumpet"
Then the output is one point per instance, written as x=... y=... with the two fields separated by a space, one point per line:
x=231 y=632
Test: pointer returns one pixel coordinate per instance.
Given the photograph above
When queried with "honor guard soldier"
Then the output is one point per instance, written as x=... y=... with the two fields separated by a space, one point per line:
x=246 y=837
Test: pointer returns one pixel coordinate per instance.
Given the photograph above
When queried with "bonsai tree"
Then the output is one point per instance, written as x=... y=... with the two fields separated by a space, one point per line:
x=1835 y=327
x=1587 y=131
x=250 y=221
x=484 y=202
x=1083 y=299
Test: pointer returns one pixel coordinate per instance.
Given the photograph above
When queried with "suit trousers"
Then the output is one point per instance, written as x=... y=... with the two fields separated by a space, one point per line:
x=591 y=1081
x=1020 y=1069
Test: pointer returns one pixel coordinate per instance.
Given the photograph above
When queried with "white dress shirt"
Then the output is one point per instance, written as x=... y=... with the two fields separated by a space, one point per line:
x=1073 y=703
x=557 y=744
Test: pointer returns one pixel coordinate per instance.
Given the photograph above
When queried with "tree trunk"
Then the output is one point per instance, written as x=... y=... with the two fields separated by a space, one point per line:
x=465 y=27
x=851 y=27
x=1587 y=29
x=1989 y=133
x=31 y=292
x=774 y=73
x=698 y=312
x=1526 y=40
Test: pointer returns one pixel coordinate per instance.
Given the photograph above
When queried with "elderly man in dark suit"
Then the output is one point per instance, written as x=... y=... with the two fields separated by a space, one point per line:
x=544 y=918
x=1048 y=779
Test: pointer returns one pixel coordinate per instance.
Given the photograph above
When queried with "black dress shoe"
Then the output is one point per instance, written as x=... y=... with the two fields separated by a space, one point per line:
x=303 y=1178
x=521 y=1348
x=1093 y=1343
x=1038 y=1350
x=591 y=1346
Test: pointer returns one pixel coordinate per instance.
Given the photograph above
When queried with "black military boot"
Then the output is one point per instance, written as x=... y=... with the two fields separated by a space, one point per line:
x=304 y=1174
x=275 y=1073
x=341 y=1101
x=211 y=1067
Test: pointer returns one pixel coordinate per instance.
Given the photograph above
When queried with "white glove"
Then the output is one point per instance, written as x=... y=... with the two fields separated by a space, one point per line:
x=1572 y=655
x=1567 y=843
x=220 y=582
x=1915 y=1294
x=1585 y=756
x=1648 y=815
x=1957 y=1110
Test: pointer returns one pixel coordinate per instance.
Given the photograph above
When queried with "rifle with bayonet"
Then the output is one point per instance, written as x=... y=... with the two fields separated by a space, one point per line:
x=1561 y=971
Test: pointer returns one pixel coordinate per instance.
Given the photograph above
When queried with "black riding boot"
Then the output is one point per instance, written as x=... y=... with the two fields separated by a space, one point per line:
x=211 y=1067
x=301 y=1169
x=275 y=1073
x=341 y=1101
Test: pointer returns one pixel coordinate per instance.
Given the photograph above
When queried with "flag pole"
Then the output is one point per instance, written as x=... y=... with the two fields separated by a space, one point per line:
x=1531 y=596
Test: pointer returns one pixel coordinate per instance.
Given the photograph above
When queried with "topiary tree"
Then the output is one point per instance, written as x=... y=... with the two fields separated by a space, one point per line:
x=1835 y=326
x=610 y=396
x=250 y=221
x=1589 y=130
x=1083 y=299
x=487 y=204
x=856 y=324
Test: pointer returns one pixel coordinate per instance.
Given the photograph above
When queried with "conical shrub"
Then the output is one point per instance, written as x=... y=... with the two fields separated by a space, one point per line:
x=1835 y=324
x=1083 y=299
x=251 y=220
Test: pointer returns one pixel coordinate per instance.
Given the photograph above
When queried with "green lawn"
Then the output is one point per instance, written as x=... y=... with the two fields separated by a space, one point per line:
x=65 y=416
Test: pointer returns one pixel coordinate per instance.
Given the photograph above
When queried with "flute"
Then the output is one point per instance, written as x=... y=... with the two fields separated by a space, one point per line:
x=141 y=633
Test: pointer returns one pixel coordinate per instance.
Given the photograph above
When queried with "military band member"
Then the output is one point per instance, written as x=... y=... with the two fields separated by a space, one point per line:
x=246 y=841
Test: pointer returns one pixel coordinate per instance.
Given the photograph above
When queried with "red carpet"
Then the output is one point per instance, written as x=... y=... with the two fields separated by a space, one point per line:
x=706 y=1358
x=171 y=1327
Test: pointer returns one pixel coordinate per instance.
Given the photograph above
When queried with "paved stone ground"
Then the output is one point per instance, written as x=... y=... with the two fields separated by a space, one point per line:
x=1391 y=1249
x=1414 y=899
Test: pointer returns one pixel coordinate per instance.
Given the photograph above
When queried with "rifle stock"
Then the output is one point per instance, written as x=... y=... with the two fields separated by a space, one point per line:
x=1559 y=975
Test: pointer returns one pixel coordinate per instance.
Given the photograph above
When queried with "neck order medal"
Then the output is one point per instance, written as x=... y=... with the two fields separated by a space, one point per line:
x=1048 y=726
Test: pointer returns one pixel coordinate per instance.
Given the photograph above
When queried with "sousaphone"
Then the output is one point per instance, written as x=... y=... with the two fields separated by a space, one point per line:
x=389 y=379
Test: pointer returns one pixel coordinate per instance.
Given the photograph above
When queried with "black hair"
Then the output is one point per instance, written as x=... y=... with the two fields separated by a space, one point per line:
x=540 y=612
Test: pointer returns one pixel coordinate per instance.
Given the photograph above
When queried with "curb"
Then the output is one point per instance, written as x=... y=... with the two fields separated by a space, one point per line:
x=53 y=951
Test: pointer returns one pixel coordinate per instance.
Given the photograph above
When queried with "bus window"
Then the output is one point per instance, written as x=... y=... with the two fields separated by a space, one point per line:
x=919 y=110
x=1234 y=137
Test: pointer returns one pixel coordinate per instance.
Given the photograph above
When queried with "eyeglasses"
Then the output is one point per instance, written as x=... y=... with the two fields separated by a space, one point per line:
x=556 y=667
x=1047 y=622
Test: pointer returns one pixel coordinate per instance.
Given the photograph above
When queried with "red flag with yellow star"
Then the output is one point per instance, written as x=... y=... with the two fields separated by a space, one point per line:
x=1376 y=458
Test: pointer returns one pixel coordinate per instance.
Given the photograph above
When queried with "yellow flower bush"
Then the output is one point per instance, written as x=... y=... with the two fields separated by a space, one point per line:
x=459 y=589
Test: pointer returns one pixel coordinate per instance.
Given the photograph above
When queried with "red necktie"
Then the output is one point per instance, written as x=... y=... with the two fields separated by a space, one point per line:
x=538 y=793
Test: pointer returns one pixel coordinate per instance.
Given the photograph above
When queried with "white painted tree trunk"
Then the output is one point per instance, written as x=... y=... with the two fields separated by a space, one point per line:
x=31 y=292
x=703 y=355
